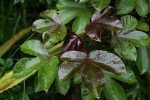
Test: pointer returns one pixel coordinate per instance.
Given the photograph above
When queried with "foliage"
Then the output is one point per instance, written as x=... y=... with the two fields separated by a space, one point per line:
x=68 y=54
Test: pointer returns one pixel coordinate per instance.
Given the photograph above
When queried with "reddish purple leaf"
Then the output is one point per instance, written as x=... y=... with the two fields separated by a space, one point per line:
x=72 y=42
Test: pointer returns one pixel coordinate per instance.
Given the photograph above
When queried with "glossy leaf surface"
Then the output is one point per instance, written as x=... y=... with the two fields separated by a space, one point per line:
x=81 y=21
x=69 y=10
x=137 y=38
x=72 y=42
x=48 y=72
x=125 y=50
x=34 y=47
x=124 y=6
x=128 y=77
x=62 y=87
x=113 y=90
x=108 y=61
x=85 y=94
x=37 y=86
x=93 y=79
x=143 y=26
x=68 y=69
x=99 y=5
x=25 y=66
x=129 y=23
x=73 y=56
x=141 y=7
x=143 y=59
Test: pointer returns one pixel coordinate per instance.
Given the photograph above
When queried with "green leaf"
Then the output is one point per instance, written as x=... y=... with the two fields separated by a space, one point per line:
x=99 y=5
x=85 y=94
x=124 y=6
x=113 y=90
x=108 y=61
x=42 y=25
x=37 y=86
x=83 y=1
x=137 y=38
x=143 y=59
x=81 y=21
x=129 y=77
x=26 y=66
x=129 y=23
x=68 y=69
x=69 y=9
x=73 y=56
x=143 y=26
x=48 y=72
x=141 y=7
x=55 y=34
x=77 y=78
x=125 y=50
x=62 y=87
x=34 y=47
x=93 y=79
x=51 y=15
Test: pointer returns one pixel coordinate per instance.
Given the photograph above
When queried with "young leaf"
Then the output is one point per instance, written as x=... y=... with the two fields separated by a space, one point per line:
x=108 y=61
x=93 y=79
x=68 y=69
x=62 y=87
x=85 y=94
x=34 y=47
x=124 y=6
x=140 y=9
x=125 y=50
x=129 y=77
x=94 y=31
x=25 y=66
x=137 y=38
x=73 y=56
x=143 y=59
x=99 y=5
x=72 y=42
x=48 y=72
x=113 y=90
x=129 y=23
